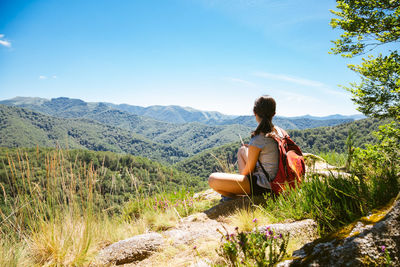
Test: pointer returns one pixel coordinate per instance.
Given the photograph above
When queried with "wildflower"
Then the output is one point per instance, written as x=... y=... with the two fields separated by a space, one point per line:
x=383 y=248
x=255 y=220
x=280 y=235
x=236 y=228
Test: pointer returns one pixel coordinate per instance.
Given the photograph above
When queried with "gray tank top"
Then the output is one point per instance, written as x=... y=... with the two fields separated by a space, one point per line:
x=269 y=158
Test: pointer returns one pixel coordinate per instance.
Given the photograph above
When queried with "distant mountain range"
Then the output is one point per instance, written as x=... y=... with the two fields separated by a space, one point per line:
x=163 y=133
x=75 y=108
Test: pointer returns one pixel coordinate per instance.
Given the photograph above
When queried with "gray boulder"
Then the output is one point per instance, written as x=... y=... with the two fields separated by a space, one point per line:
x=366 y=244
x=305 y=230
x=129 y=250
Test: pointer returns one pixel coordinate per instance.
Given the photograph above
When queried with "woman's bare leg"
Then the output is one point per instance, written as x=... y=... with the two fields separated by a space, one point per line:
x=242 y=156
x=229 y=185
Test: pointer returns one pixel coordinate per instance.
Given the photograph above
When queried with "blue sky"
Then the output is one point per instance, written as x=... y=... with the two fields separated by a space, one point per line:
x=207 y=54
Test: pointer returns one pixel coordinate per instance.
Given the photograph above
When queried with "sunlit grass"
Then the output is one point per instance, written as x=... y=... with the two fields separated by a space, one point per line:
x=249 y=217
x=59 y=217
x=334 y=158
x=332 y=201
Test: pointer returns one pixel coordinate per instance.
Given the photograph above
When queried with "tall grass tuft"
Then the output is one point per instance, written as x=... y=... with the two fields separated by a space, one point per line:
x=49 y=212
x=332 y=201
x=61 y=215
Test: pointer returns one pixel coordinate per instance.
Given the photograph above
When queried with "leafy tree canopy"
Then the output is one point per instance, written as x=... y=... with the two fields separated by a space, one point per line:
x=368 y=24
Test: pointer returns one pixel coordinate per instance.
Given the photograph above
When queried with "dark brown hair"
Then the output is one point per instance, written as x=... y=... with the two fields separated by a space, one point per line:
x=264 y=107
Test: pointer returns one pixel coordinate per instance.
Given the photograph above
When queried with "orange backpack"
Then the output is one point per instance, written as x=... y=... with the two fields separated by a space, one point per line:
x=291 y=166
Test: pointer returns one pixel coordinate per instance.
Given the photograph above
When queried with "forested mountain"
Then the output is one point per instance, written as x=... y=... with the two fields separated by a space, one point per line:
x=333 y=138
x=68 y=107
x=99 y=126
x=189 y=137
x=174 y=114
x=76 y=108
x=315 y=141
x=25 y=128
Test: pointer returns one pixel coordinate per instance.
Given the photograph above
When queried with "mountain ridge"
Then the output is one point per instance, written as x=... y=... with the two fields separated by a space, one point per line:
x=178 y=114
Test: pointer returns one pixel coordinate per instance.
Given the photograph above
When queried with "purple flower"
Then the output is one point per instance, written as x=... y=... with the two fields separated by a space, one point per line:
x=194 y=247
x=268 y=227
x=275 y=237
x=383 y=248
x=280 y=235
x=255 y=220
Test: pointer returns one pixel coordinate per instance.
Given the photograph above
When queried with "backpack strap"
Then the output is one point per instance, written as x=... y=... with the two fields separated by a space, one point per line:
x=265 y=172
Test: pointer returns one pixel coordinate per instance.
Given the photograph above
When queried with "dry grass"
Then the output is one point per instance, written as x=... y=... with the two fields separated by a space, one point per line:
x=54 y=218
x=159 y=221
x=248 y=218
x=74 y=241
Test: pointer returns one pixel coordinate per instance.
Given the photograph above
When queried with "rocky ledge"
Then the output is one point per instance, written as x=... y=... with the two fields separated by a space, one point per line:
x=372 y=241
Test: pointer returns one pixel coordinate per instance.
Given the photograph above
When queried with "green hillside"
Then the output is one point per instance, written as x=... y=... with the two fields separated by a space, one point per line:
x=120 y=177
x=189 y=137
x=24 y=128
x=333 y=138
x=218 y=159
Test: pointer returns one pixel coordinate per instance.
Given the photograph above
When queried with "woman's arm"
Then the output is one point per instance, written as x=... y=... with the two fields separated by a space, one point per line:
x=254 y=153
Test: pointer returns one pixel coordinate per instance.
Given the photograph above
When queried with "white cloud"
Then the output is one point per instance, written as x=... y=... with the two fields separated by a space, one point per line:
x=44 y=77
x=288 y=78
x=4 y=42
x=304 y=82
x=240 y=81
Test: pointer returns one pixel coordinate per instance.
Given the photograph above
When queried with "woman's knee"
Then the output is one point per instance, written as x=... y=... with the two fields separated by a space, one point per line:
x=212 y=180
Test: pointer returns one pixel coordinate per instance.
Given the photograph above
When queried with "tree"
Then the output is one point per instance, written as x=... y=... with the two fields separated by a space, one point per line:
x=368 y=24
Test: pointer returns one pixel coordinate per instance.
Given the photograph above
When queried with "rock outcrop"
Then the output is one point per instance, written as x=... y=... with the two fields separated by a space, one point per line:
x=138 y=250
x=372 y=241
x=305 y=230
x=129 y=250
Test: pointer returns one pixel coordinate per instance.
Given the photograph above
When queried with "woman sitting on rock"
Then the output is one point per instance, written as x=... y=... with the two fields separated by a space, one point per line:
x=261 y=149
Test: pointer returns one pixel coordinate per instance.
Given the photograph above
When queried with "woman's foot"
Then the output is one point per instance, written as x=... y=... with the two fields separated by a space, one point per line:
x=225 y=199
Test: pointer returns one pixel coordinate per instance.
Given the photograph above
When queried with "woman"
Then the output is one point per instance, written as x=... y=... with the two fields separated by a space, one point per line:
x=263 y=149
